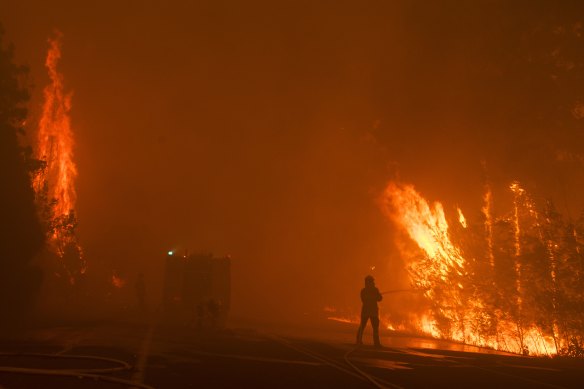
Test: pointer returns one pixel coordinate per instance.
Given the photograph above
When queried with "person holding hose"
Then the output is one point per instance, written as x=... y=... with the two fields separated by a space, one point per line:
x=370 y=296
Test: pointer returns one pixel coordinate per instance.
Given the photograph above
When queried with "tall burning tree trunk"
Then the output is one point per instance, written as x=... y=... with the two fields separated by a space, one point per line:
x=55 y=184
x=552 y=243
x=517 y=194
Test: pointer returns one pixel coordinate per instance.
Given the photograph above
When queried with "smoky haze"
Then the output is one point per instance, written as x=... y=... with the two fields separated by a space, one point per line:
x=268 y=130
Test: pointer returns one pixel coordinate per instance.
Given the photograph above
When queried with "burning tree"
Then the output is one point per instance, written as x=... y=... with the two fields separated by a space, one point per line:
x=566 y=245
x=513 y=282
x=54 y=182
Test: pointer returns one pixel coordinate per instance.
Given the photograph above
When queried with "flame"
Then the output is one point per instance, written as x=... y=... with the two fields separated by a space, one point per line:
x=118 y=282
x=55 y=137
x=55 y=184
x=428 y=326
x=456 y=310
x=426 y=225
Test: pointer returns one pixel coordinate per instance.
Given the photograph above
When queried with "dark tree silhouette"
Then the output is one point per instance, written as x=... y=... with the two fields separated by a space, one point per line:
x=21 y=235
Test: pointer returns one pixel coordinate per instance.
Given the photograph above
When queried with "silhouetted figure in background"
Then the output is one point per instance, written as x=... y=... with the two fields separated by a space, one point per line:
x=369 y=297
x=141 y=292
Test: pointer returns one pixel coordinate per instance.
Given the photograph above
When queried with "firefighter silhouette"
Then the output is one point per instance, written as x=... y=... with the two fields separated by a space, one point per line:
x=369 y=297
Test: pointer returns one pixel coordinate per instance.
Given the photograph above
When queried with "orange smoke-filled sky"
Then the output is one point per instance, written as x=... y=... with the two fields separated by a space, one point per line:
x=267 y=130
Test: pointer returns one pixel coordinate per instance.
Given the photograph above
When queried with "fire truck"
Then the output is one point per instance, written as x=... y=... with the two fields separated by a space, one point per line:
x=197 y=289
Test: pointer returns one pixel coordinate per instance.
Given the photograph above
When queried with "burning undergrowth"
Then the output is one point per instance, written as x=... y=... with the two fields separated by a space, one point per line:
x=511 y=282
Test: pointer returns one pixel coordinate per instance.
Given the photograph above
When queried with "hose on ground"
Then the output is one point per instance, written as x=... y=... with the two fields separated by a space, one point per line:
x=89 y=373
x=367 y=376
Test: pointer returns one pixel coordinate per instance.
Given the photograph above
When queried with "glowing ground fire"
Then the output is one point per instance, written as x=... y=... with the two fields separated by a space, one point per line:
x=503 y=290
x=55 y=183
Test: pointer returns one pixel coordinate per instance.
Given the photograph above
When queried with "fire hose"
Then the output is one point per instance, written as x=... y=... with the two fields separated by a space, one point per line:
x=375 y=381
x=91 y=373
x=404 y=290
x=356 y=372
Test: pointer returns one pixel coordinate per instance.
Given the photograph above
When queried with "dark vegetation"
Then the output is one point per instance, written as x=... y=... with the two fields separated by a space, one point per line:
x=21 y=235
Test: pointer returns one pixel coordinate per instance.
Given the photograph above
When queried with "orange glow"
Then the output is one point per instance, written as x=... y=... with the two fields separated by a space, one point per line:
x=426 y=225
x=428 y=326
x=488 y=213
x=343 y=320
x=340 y=316
x=517 y=192
x=55 y=184
x=55 y=138
x=117 y=281
x=456 y=313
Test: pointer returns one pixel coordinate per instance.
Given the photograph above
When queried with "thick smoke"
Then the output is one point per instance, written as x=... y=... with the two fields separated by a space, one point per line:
x=268 y=131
